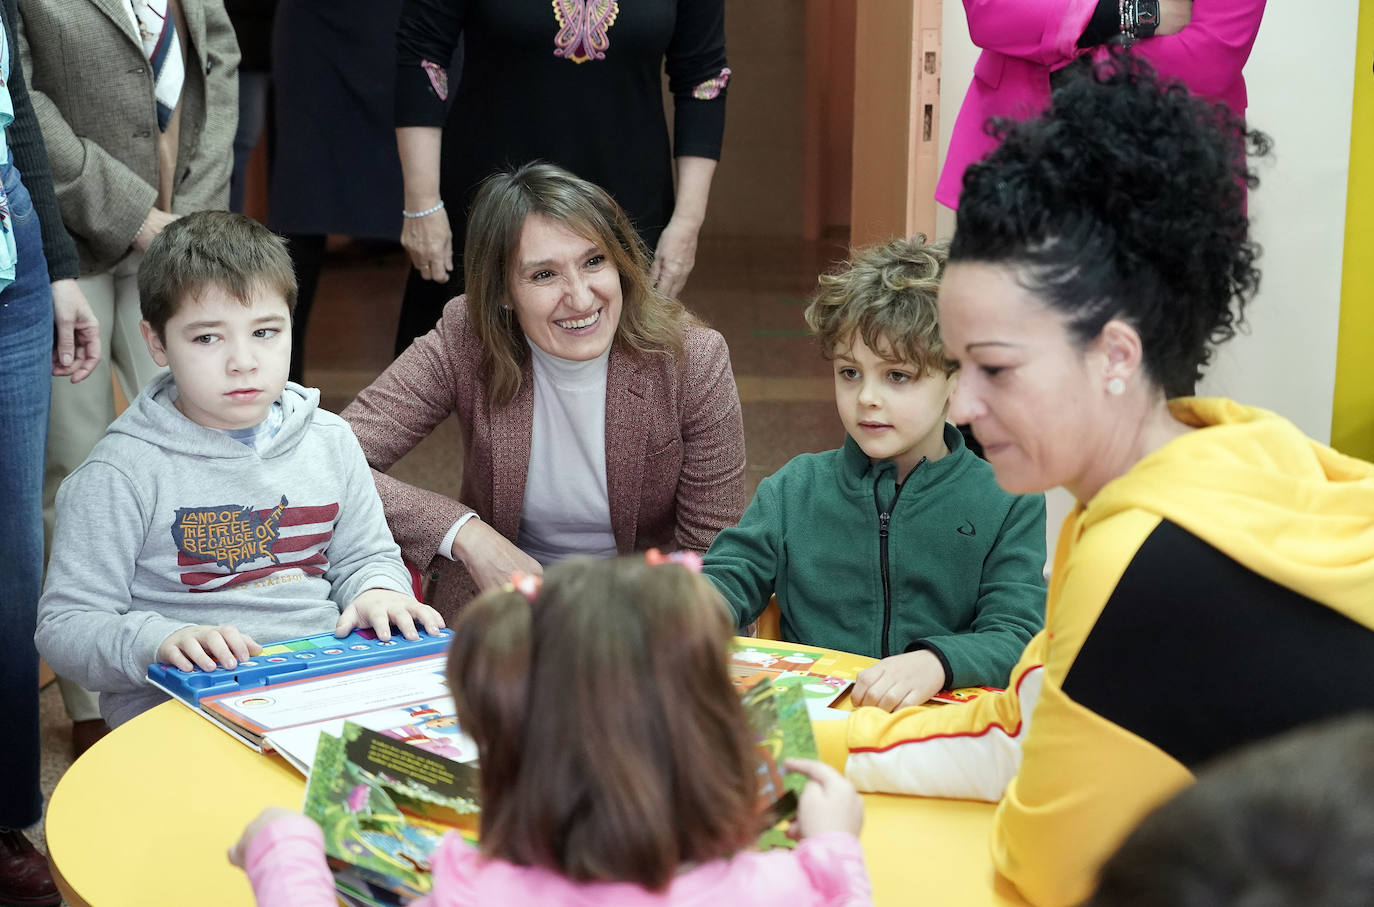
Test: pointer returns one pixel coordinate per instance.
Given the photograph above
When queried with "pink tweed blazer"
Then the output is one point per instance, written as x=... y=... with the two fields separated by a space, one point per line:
x=1023 y=41
x=674 y=446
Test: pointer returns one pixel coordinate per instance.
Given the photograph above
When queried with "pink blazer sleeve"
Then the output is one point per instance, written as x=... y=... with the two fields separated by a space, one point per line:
x=710 y=485
x=1211 y=50
x=1038 y=31
x=435 y=377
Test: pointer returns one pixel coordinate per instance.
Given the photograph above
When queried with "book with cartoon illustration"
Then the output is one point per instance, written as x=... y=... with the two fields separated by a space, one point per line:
x=430 y=727
x=312 y=681
x=782 y=726
x=815 y=672
x=819 y=673
x=383 y=807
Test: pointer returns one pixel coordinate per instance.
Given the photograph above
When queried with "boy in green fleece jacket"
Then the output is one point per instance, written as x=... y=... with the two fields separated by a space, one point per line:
x=899 y=545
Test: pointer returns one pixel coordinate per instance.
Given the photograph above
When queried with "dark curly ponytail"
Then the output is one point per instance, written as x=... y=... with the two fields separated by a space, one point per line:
x=1125 y=199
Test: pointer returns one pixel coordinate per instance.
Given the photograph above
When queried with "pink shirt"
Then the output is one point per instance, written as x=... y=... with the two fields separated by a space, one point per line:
x=285 y=864
x=1023 y=41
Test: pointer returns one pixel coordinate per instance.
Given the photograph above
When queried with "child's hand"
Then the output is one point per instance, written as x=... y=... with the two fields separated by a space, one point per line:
x=265 y=818
x=899 y=681
x=828 y=802
x=380 y=608
x=201 y=647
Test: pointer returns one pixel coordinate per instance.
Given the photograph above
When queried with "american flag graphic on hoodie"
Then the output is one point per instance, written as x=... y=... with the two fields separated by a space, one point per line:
x=225 y=546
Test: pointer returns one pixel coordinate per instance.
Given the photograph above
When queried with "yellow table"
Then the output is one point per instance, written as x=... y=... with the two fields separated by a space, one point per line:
x=147 y=814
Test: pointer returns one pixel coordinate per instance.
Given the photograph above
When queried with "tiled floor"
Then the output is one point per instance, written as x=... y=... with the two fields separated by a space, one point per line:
x=751 y=290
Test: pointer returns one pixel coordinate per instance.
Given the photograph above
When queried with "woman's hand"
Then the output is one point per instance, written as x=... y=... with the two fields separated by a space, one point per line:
x=674 y=258
x=828 y=803
x=76 y=339
x=899 y=681
x=1174 y=16
x=489 y=556
x=153 y=224
x=429 y=242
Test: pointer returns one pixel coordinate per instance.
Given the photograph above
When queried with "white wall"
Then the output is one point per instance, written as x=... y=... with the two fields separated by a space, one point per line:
x=1300 y=80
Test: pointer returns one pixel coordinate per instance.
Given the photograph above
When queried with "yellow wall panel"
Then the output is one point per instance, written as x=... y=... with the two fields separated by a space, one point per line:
x=1352 y=417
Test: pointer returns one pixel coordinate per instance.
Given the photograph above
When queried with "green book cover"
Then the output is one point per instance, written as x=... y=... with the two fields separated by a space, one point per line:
x=782 y=726
x=384 y=806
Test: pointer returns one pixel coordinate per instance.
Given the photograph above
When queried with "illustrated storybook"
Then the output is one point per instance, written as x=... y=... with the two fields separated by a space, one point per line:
x=385 y=803
x=383 y=806
x=782 y=725
x=815 y=672
x=819 y=673
x=315 y=681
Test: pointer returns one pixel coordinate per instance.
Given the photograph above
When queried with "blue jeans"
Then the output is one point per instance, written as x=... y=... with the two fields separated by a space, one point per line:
x=26 y=338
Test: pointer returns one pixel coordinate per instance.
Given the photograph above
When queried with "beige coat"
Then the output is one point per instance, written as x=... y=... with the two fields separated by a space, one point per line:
x=92 y=89
x=674 y=446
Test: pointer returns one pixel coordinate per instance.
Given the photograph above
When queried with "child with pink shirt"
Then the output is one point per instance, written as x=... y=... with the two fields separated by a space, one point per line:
x=618 y=766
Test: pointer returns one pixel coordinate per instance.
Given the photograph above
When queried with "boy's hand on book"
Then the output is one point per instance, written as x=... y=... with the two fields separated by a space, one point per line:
x=204 y=647
x=899 y=681
x=828 y=802
x=378 y=609
x=265 y=818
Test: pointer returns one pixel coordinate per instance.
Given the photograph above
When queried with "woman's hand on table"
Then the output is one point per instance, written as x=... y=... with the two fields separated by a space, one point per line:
x=265 y=818
x=378 y=609
x=828 y=802
x=489 y=556
x=899 y=681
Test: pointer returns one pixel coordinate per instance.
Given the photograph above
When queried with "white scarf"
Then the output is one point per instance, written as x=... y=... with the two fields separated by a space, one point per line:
x=162 y=44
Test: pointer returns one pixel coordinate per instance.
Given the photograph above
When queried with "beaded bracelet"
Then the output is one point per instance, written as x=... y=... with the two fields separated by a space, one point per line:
x=1127 y=11
x=424 y=213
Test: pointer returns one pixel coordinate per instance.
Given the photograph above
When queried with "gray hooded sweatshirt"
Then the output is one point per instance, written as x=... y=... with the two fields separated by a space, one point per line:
x=170 y=524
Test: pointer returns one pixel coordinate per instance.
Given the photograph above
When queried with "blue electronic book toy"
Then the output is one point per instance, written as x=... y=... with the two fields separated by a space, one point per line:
x=297 y=659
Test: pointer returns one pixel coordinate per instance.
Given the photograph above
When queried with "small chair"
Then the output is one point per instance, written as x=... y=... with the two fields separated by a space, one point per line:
x=769 y=624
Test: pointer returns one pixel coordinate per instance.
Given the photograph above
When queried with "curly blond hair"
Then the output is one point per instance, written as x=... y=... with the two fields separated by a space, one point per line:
x=885 y=295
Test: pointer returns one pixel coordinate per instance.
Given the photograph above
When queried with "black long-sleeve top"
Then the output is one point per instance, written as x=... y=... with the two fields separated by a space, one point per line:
x=30 y=156
x=535 y=86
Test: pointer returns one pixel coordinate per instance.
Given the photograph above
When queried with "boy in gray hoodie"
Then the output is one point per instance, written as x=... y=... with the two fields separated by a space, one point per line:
x=224 y=506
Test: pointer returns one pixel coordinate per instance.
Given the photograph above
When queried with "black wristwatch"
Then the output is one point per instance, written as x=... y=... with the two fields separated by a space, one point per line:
x=1146 y=18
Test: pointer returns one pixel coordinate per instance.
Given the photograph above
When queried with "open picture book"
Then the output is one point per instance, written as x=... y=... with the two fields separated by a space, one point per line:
x=384 y=803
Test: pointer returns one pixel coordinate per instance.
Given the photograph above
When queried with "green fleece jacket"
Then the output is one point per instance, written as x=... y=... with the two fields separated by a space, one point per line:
x=946 y=561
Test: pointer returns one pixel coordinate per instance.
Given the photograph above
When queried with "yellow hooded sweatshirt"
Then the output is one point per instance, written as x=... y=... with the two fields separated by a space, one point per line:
x=1219 y=592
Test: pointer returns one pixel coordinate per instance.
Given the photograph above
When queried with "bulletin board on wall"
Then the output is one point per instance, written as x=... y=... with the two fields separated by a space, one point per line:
x=1352 y=417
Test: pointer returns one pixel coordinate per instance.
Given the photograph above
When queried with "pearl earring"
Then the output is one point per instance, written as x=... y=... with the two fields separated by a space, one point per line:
x=1116 y=387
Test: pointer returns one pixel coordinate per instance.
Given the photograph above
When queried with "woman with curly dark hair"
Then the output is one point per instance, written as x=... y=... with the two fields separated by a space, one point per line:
x=1219 y=567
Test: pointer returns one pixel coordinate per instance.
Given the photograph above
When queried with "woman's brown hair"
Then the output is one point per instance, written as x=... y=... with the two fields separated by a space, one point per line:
x=613 y=744
x=649 y=322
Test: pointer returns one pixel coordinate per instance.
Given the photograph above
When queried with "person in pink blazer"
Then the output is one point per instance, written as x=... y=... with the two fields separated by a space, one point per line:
x=1205 y=44
x=598 y=417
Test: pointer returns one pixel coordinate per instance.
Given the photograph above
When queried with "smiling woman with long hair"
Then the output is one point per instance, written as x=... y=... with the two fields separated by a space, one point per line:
x=598 y=416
